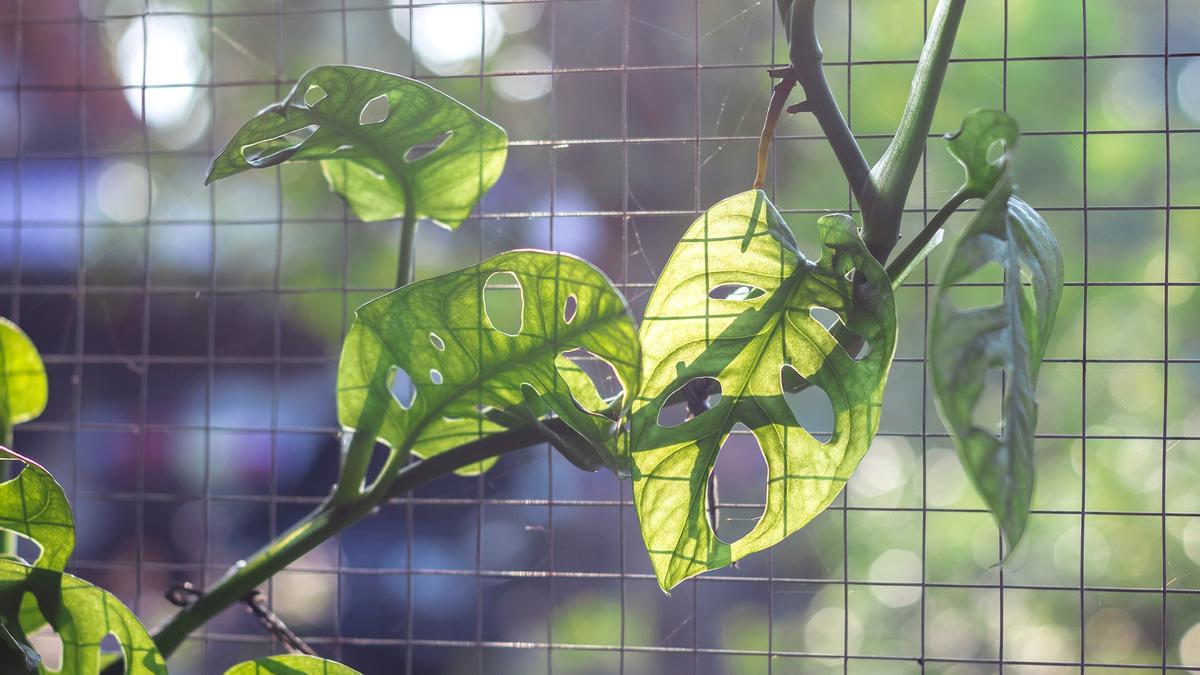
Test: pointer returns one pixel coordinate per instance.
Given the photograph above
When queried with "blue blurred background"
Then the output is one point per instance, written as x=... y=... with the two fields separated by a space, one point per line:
x=191 y=333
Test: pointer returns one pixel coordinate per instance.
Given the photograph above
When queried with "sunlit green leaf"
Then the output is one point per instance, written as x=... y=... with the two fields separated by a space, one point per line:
x=467 y=376
x=22 y=378
x=966 y=343
x=384 y=142
x=34 y=506
x=81 y=616
x=748 y=345
x=291 y=664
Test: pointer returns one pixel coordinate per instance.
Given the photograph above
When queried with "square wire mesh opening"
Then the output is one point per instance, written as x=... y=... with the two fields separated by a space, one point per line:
x=191 y=334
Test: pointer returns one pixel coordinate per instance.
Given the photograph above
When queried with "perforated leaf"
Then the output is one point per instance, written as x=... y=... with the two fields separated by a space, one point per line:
x=34 y=506
x=22 y=378
x=966 y=343
x=384 y=141
x=81 y=616
x=748 y=341
x=466 y=374
x=291 y=664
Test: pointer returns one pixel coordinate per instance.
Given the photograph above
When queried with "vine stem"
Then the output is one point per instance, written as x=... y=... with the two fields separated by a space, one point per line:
x=908 y=255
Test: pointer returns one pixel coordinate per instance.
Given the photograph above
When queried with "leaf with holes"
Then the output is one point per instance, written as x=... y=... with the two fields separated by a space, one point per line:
x=81 y=616
x=965 y=344
x=291 y=664
x=430 y=366
x=749 y=339
x=34 y=506
x=385 y=142
x=22 y=379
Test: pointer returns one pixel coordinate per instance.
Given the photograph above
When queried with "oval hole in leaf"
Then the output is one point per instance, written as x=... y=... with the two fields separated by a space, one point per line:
x=824 y=316
x=811 y=406
x=437 y=342
x=48 y=645
x=275 y=150
x=736 y=292
x=570 y=308
x=402 y=387
x=981 y=288
x=375 y=111
x=741 y=485
x=675 y=410
x=314 y=95
x=996 y=151
x=989 y=413
x=435 y=376
x=600 y=373
x=421 y=150
x=110 y=645
x=503 y=303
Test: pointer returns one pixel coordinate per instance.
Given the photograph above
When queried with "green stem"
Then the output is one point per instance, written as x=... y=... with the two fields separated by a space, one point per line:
x=893 y=175
x=327 y=520
x=806 y=58
x=362 y=444
x=8 y=539
x=909 y=255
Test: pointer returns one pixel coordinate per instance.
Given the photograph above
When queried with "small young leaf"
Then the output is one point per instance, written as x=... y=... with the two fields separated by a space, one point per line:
x=383 y=141
x=291 y=664
x=22 y=378
x=964 y=344
x=440 y=326
x=82 y=615
x=34 y=506
x=749 y=345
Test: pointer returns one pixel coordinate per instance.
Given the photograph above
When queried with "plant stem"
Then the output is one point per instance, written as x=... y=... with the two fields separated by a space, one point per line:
x=406 y=268
x=914 y=248
x=806 y=58
x=778 y=101
x=893 y=174
x=327 y=520
x=8 y=538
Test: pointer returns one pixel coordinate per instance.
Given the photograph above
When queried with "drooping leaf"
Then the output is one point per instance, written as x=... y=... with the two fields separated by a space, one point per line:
x=81 y=616
x=291 y=664
x=966 y=343
x=749 y=345
x=22 y=378
x=384 y=142
x=34 y=506
x=466 y=374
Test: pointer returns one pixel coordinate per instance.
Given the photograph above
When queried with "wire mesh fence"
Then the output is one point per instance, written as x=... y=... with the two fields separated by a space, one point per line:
x=192 y=334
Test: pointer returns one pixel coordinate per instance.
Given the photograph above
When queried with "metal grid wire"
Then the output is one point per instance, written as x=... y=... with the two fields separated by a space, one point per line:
x=70 y=310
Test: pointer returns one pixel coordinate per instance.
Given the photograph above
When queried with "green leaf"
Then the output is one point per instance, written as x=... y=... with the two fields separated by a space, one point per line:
x=291 y=664
x=82 y=616
x=468 y=375
x=34 y=506
x=368 y=128
x=22 y=379
x=749 y=345
x=964 y=344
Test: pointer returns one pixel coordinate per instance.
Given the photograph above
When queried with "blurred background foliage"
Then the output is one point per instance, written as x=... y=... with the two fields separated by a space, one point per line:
x=192 y=333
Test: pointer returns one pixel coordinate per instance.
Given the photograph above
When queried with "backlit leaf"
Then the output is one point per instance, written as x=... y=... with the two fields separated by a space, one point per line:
x=34 y=506
x=464 y=378
x=81 y=616
x=966 y=343
x=383 y=140
x=291 y=664
x=748 y=342
x=22 y=378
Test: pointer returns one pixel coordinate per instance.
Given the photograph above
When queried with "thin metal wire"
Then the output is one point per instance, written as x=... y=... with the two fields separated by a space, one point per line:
x=24 y=293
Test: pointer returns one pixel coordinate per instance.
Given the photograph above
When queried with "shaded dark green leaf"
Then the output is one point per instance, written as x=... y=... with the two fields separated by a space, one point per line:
x=966 y=343
x=750 y=342
x=385 y=143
